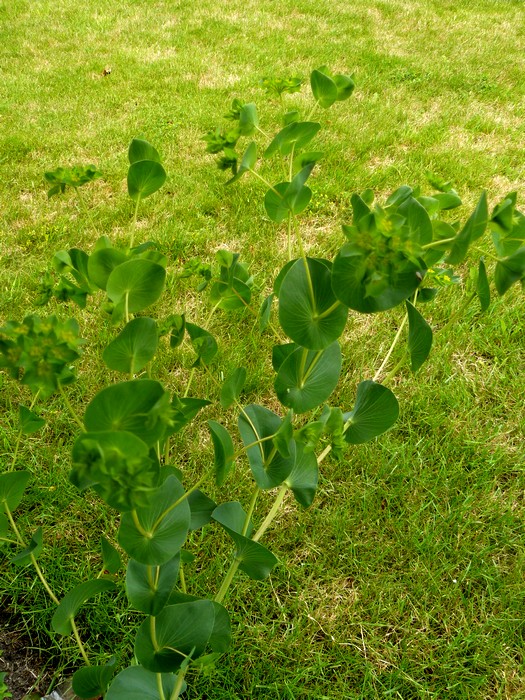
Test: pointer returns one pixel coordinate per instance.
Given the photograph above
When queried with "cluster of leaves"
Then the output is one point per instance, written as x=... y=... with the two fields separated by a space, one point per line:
x=399 y=252
x=75 y=177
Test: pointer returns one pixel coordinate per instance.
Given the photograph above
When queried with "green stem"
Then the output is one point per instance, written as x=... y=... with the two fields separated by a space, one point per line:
x=126 y=307
x=227 y=581
x=329 y=310
x=70 y=407
x=312 y=365
x=436 y=244
x=452 y=319
x=138 y=524
x=22 y=543
x=160 y=689
x=262 y=179
x=312 y=111
x=272 y=513
x=251 y=508
x=182 y=578
x=190 y=379
x=133 y=224
x=178 y=686
x=79 y=641
x=290 y=215
x=20 y=433
x=391 y=349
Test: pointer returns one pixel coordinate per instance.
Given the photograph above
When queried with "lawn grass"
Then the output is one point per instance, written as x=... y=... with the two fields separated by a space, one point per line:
x=405 y=577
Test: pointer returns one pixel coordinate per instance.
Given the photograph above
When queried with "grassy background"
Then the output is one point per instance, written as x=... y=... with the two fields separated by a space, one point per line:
x=405 y=578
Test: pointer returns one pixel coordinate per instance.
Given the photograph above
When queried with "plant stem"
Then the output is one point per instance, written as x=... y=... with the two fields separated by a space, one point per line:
x=312 y=111
x=227 y=581
x=452 y=319
x=251 y=508
x=391 y=349
x=435 y=244
x=160 y=689
x=70 y=407
x=262 y=179
x=182 y=578
x=79 y=641
x=272 y=513
x=190 y=379
x=178 y=686
x=134 y=223
x=329 y=310
x=138 y=524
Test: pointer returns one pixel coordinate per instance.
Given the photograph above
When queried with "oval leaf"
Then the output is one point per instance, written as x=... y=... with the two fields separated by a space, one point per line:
x=136 y=683
x=139 y=406
x=223 y=449
x=483 y=287
x=144 y=178
x=92 y=681
x=181 y=631
x=136 y=284
x=232 y=387
x=376 y=410
x=269 y=468
x=148 y=587
x=308 y=310
x=72 y=601
x=419 y=337
x=139 y=149
x=156 y=533
x=134 y=347
x=27 y=555
x=12 y=487
x=306 y=378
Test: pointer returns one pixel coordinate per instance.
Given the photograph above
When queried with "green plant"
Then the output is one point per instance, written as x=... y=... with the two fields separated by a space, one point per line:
x=398 y=252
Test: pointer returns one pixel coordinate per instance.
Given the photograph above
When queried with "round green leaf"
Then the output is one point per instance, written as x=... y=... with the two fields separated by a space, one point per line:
x=376 y=410
x=309 y=312
x=144 y=178
x=232 y=387
x=92 y=681
x=137 y=282
x=134 y=347
x=181 y=630
x=148 y=587
x=232 y=515
x=269 y=467
x=306 y=378
x=139 y=149
x=139 y=406
x=304 y=476
x=136 y=683
x=324 y=88
x=30 y=422
x=157 y=532
x=101 y=264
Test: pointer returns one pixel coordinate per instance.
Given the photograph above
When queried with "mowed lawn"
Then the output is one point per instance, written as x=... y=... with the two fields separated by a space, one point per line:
x=405 y=577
